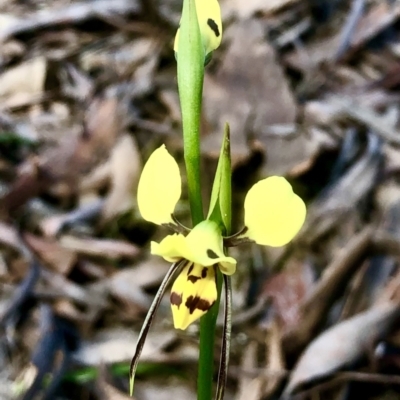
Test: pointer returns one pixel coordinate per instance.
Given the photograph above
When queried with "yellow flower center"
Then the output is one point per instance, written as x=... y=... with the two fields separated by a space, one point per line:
x=203 y=245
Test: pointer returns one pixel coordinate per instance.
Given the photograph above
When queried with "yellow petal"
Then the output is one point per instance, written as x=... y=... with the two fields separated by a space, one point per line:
x=203 y=245
x=210 y=25
x=209 y=16
x=172 y=248
x=273 y=213
x=193 y=294
x=159 y=187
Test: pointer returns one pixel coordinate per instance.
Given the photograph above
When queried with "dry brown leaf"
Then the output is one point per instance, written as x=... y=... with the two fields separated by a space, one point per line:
x=104 y=120
x=337 y=273
x=78 y=154
x=52 y=225
x=30 y=182
x=144 y=275
x=288 y=289
x=72 y=157
x=9 y=236
x=96 y=179
x=342 y=345
x=252 y=94
x=100 y=247
x=129 y=284
x=59 y=258
x=24 y=81
x=125 y=172
x=117 y=345
x=250 y=388
x=275 y=360
x=90 y=297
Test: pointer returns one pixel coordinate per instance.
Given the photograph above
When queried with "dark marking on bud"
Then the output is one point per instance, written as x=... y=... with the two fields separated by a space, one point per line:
x=204 y=272
x=176 y=299
x=211 y=254
x=197 y=303
x=214 y=27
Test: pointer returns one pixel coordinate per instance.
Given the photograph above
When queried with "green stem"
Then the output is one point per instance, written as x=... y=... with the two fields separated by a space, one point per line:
x=192 y=161
x=190 y=85
x=207 y=340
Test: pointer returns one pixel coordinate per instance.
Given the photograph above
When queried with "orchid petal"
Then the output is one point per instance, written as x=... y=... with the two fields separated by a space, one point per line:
x=273 y=213
x=159 y=187
x=193 y=294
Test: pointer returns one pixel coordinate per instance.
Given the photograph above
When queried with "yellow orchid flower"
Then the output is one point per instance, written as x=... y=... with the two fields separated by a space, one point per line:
x=210 y=25
x=273 y=216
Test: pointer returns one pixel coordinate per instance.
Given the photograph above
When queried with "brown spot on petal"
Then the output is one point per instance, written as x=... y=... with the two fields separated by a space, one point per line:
x=211 y=254
x=193 y=278
x=190 y=270
x=197 y=303
x=176 y=299
x=204 y=272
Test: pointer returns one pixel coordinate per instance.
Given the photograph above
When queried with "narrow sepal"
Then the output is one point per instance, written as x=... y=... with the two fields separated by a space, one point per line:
x=149 y=320
x=226 y=340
